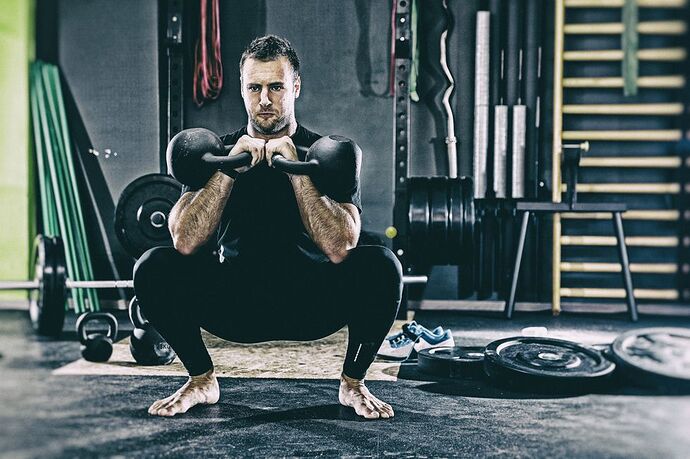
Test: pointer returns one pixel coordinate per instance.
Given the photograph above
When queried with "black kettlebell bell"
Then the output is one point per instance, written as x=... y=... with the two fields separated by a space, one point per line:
x=147 y=345
x=96 y=347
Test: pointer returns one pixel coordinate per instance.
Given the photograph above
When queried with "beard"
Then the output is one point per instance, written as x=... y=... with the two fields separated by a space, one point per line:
x=270 y=126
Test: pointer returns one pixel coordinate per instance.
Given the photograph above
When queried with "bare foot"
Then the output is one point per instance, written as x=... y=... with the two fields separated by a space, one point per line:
x=202 y=389
x=355 y=394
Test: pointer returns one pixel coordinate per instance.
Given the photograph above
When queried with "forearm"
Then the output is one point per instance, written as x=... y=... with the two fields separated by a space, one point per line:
x=194 y=218
x=330 y=226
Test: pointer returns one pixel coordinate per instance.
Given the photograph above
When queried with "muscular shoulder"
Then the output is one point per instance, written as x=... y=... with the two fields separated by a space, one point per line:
x=304 y=137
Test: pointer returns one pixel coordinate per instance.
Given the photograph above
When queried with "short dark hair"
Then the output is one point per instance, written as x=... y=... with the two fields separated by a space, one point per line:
x=269 y=48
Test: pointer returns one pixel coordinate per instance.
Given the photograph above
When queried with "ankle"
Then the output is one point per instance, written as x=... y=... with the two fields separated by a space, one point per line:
x=351 y=382
x=210 y=375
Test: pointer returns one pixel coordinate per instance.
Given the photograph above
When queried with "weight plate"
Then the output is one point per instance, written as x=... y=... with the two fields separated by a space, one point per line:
x=141 y=216
x=452 y=362
x=657 y=357
x=466 y=270
x=418 y=216
x=546 y=364
x=438 y=231
x=456 y=219
x=47 y=302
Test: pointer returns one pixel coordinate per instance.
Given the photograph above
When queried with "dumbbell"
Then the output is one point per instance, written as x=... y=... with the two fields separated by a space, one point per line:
x=332 y=162
x=96 y=347
x=147 y=345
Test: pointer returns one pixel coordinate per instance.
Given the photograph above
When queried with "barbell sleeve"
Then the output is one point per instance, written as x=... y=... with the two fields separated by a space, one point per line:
x=100 y=284
x=34 y=284
x=18 y=285
x=415 y=279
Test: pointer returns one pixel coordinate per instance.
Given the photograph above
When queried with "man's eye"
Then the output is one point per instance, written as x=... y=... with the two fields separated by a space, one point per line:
x=276 y=88
x=254 y=88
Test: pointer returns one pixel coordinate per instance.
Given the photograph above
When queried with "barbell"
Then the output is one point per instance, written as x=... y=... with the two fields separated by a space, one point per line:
x=332 y=162
x=49 y=286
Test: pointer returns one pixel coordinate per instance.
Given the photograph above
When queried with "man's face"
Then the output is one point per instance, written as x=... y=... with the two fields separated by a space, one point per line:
x=269 y=91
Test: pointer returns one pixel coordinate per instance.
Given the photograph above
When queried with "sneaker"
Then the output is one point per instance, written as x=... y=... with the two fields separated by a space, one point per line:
x=411 y=339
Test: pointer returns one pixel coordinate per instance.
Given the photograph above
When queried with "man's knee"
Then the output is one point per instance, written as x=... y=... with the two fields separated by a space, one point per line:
x=155 y=279
x=377 y=263
x=153 y=263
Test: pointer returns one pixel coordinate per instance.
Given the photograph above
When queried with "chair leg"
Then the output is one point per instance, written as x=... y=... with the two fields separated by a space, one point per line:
x=625 y=264
x=510 y=304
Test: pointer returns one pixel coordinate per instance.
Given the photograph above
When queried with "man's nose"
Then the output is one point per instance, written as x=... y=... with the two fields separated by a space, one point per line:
x=265 y=101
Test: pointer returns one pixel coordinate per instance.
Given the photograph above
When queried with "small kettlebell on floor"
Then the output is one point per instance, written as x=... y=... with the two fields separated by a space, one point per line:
x=96 y=347
x=147 y=345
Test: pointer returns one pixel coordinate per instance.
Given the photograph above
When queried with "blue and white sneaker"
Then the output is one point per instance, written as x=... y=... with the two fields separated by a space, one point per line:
x=412 y=339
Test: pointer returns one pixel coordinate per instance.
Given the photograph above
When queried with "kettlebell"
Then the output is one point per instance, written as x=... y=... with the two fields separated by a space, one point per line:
x=96 y=347
x=147 y=345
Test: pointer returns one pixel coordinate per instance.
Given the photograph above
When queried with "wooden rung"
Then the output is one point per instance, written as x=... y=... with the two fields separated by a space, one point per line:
x=623 y=109
x=656 y=215
x=626 y=188
x=656 y=82
x=619 y=3
x=659 y=135
x=592 y=267
x=617 y=28
x=632 y=241
x=639 y=293
x=662 y=27
x=654 y=162
x=657 y=54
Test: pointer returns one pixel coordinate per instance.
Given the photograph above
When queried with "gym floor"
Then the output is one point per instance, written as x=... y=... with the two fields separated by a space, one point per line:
x=49 y=413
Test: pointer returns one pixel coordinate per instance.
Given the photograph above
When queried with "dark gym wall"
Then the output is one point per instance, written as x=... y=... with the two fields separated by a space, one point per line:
x=108 y=53
x=344 y=53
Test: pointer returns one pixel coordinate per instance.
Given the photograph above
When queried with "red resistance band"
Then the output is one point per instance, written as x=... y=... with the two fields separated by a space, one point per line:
x=208 y=67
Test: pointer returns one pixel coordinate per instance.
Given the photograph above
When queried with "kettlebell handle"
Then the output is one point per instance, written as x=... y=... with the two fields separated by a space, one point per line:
x=135 y=315
x=106 y=317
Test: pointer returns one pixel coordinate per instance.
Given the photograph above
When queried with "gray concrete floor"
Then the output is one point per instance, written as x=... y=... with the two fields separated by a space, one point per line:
x=43 y=415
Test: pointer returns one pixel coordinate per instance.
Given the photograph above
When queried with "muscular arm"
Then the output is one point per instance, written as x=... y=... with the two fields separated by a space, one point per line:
x=195 y=216
x=333 y=226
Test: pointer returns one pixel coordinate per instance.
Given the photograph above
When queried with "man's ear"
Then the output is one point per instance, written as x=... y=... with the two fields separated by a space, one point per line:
x=298 y=86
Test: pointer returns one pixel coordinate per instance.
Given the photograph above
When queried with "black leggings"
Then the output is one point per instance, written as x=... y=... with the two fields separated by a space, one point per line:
x=273 y=300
